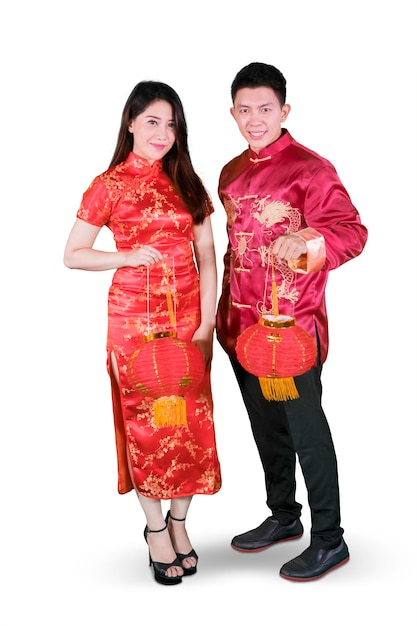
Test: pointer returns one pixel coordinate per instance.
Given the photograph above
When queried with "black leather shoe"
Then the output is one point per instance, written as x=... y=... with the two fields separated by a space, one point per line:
x=267 y=534
x=315 y=562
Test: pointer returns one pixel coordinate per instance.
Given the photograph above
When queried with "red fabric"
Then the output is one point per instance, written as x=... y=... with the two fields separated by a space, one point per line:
x=137 y=202
x=286 y=188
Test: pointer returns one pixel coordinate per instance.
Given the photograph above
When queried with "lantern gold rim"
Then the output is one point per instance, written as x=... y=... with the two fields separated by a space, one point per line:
x=282 y=321
x=160 y=335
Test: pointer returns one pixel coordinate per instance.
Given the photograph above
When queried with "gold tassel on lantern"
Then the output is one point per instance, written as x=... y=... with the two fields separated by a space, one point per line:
x=170 y=411
x=278 y=388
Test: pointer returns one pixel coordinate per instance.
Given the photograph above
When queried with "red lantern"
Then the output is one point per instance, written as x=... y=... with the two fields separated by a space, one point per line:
x=276 y=349
x=166 y=368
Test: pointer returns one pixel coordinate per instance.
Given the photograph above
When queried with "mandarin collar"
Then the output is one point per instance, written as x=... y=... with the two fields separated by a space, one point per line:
x=280 y=144
x=143 y=164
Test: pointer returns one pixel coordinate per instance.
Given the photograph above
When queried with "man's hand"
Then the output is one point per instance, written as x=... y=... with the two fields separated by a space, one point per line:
x=289 y=247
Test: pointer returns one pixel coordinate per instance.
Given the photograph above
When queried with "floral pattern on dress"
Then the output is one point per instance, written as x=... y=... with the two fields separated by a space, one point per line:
x=140 y=206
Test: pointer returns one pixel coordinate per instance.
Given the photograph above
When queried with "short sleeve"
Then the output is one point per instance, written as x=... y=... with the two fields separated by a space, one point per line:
x=96 y=204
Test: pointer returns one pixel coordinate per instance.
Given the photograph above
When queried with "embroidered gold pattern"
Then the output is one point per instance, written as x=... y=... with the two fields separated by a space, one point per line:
x=251 y=244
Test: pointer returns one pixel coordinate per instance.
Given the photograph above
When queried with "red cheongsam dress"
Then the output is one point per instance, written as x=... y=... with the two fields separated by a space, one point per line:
x=138 y=203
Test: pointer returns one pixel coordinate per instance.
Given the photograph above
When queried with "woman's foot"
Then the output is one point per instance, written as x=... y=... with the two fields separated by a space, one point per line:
x=163 y=556
x=181 y=544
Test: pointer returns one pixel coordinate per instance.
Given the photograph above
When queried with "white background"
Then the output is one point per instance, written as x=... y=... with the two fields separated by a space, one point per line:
x=72 y=550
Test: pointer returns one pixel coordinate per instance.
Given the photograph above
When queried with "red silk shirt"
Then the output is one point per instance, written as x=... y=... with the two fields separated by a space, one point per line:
x=286 y=188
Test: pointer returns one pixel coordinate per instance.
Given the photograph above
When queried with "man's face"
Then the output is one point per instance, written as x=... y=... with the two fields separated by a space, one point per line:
x=259 y=116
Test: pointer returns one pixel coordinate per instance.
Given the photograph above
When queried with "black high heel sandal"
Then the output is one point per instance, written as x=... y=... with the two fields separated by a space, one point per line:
x=188 y=571
x=160 y=569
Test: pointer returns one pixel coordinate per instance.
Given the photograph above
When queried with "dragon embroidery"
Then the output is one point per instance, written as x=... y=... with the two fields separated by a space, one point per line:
x=268 y=213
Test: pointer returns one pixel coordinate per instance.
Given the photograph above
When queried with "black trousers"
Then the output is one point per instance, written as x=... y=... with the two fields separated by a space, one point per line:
x=284 y=431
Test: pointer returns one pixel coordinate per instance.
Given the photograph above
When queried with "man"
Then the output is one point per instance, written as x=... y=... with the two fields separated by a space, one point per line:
x=288 y=217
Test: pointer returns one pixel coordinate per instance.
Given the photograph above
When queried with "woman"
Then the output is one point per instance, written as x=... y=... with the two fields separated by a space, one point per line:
x=159 y=213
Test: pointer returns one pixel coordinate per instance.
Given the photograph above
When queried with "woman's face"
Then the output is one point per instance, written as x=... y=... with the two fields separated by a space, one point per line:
x=153 y=131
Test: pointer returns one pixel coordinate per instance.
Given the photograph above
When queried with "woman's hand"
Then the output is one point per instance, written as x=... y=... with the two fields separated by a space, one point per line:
x=79 y=252
x=203 y=340
x=146 y=255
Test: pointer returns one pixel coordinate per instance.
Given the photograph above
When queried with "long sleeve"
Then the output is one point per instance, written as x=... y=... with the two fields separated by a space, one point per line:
x=329 y=210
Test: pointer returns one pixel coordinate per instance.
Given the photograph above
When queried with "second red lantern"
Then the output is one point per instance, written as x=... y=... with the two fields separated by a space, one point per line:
x=276 y=349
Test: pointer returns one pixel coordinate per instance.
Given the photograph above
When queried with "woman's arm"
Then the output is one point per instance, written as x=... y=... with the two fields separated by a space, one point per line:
x=79 y=253
x=206 y=263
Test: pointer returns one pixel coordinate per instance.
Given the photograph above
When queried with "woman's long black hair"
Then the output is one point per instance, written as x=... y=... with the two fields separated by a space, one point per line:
x=177 y=162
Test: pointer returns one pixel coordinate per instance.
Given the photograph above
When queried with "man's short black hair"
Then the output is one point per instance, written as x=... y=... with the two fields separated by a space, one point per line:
x=260 y=75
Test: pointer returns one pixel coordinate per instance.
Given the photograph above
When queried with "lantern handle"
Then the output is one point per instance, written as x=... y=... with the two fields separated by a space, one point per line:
x=147 y=301
x=275 y=309
x=170 y=298
x=171 y=301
